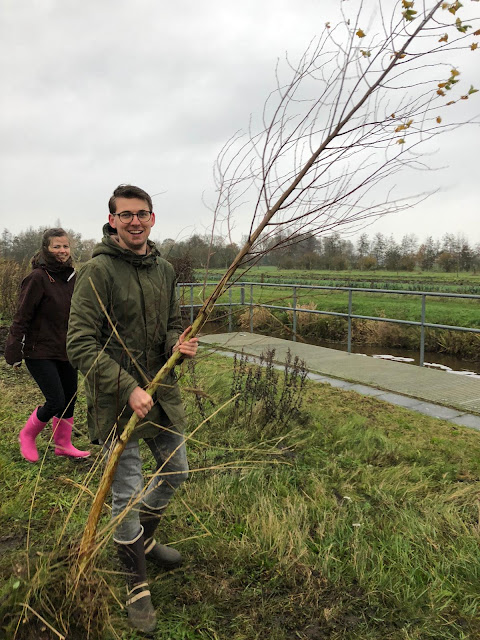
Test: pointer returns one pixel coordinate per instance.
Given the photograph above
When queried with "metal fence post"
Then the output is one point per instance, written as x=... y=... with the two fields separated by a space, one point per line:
x=294 y=306
x=422 y=332
x=251 y=308
x=242 y=295
x=349 y=337
x=191 y=303
x=230 y=310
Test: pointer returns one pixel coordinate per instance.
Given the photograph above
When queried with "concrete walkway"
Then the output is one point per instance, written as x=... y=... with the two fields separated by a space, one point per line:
x=455 y=398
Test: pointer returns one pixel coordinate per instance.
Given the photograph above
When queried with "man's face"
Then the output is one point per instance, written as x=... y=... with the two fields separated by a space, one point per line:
x=132 y=235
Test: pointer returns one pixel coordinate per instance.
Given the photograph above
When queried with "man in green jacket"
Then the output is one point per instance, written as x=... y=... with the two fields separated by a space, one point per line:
x=137 y=289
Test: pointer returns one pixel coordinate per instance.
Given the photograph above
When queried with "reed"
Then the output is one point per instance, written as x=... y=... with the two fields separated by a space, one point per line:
x=11 y=276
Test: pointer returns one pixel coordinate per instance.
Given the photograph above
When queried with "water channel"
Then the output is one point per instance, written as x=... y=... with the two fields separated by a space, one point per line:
x=441 y=360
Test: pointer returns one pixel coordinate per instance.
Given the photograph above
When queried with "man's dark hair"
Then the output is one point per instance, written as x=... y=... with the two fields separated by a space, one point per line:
x=128 y=191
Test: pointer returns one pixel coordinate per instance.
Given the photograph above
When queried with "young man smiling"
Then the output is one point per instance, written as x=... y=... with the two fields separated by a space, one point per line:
x=137 y=288
x=132 y=219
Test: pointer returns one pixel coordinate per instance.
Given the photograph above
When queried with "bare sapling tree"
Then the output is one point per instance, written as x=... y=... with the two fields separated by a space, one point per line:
x=352 y=113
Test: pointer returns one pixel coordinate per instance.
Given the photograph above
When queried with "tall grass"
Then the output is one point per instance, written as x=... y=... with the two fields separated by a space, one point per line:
x=11 y=275
x=352 y=520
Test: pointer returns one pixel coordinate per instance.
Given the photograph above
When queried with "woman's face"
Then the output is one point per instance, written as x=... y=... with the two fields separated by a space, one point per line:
x=60 y=248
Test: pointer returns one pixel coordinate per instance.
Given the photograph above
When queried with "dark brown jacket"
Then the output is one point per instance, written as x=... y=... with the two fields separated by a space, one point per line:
x=39 y=328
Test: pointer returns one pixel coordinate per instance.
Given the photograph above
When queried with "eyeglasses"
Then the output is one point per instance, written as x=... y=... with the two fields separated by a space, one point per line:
x=127 y=216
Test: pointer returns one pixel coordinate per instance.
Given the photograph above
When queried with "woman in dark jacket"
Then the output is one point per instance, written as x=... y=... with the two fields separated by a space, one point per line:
x=38 y=335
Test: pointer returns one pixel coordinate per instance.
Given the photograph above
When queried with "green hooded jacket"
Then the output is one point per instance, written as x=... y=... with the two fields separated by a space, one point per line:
x=139 y=295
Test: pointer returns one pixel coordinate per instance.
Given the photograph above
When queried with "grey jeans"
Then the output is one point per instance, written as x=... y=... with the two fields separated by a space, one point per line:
x=168 y=449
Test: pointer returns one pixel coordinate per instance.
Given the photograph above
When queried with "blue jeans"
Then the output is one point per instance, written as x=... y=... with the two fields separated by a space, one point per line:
x=168 y=449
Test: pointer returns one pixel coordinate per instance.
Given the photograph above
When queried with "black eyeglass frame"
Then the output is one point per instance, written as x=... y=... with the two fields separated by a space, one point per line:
x=130 y=214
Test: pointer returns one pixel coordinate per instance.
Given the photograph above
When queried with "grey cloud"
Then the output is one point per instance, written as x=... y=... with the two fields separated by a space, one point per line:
x=98 y=93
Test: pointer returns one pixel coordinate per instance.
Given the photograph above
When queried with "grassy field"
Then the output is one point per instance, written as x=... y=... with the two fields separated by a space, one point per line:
x=352 y=520
x=439 y=310
x=463 y=282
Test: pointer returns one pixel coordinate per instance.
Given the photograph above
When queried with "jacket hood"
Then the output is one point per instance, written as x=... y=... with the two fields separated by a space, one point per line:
x=109 y=246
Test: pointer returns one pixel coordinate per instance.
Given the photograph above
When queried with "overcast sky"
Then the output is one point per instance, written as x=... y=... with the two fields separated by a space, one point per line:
x=95 y=94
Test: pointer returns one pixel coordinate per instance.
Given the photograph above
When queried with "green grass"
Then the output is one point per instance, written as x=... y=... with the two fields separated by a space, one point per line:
x=463 y=282
x=449 y=311
x=359 y=520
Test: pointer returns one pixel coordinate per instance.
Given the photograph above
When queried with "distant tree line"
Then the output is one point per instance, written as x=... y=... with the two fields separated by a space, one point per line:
x=452 y=253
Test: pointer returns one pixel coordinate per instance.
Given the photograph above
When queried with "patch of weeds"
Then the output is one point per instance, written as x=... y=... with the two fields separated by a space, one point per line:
x=264 y=398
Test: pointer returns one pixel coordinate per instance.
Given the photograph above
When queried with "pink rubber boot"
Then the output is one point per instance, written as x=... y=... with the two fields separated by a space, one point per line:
x=62 y=436
x=27 y=436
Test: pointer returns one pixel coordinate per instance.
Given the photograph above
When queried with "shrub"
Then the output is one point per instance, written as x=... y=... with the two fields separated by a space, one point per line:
x=183 y=266
x=267 y=399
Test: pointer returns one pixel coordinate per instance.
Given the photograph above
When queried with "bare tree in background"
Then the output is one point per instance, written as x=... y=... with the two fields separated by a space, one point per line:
x=353 y=112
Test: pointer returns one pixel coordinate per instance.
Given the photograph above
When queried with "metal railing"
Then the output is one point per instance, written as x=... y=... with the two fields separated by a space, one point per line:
x=349 y=315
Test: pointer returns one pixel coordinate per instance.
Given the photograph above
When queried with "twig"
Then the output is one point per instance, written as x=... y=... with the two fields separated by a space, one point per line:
x=27 y=606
